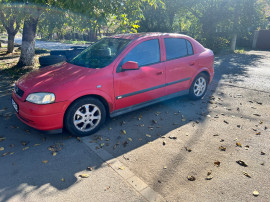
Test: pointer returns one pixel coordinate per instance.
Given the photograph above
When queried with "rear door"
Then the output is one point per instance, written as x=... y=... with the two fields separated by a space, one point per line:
x=147 y=83
x=180 y=64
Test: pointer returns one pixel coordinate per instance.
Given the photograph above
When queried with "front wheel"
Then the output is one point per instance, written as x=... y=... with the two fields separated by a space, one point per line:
x=198 y=87
x=85 y=116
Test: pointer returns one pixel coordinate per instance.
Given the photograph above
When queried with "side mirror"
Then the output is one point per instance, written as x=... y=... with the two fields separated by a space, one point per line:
x=130 y=66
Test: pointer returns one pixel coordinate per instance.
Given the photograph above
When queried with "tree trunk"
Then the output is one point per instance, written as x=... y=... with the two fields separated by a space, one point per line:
x=11 y=37
x=28 y=42
x=233 y=43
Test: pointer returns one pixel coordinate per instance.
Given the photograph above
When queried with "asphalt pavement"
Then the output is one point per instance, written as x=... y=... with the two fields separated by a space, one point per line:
x=152 y=154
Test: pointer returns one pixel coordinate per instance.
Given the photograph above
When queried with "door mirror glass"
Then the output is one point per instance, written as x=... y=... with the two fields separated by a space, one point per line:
x=130 y=66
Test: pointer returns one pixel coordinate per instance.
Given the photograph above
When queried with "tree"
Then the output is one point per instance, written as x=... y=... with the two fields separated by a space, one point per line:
x=10 y=16
x=128 y=10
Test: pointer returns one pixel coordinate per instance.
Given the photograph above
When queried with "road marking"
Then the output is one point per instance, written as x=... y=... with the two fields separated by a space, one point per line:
x=128 y=176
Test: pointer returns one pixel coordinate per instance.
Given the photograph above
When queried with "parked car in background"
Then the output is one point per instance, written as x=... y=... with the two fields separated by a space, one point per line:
x=114 y=76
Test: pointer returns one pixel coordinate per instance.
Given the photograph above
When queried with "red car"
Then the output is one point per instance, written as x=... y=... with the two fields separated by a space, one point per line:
x=114 y=76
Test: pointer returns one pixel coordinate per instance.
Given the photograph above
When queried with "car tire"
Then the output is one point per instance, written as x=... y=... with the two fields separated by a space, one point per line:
x=85 y=116
x=51 y=60
x=198 y=87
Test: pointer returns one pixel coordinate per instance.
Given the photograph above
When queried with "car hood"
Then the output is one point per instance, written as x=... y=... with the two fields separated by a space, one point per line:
x=49 y=78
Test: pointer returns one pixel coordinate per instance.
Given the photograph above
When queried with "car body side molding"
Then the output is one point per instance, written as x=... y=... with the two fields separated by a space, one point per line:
x=145 y=104
x=153 y=88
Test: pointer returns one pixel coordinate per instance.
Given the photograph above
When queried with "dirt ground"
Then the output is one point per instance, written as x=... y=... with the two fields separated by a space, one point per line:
x=215 y=149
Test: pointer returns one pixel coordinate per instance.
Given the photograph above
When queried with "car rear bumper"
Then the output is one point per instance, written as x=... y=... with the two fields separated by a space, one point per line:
x=42 y=117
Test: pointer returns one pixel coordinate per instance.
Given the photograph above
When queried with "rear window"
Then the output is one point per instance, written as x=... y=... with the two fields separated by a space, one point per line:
x=177 y=48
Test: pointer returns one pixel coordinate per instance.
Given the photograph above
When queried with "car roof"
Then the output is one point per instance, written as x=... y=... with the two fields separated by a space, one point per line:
x=145 y=35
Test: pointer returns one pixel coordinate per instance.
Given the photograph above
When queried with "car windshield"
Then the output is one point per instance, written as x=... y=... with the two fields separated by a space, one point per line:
x=100 y=54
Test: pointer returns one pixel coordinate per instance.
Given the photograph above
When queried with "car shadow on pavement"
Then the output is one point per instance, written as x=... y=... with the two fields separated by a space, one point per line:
x=27 y=158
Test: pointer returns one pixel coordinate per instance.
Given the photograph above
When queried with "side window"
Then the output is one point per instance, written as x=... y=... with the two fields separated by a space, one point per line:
x=145 y=53
x=175 y=48
x=189 y=48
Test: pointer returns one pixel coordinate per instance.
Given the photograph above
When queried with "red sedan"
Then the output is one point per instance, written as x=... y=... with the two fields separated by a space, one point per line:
x=114 y=76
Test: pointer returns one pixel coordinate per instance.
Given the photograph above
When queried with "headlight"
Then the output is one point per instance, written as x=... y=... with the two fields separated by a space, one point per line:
x=41 y=98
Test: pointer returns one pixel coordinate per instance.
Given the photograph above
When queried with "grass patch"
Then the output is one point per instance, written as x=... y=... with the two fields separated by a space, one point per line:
x=240 y=51
x=9 y=68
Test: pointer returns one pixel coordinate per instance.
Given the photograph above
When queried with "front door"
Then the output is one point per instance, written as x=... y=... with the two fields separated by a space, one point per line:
x=133 y=87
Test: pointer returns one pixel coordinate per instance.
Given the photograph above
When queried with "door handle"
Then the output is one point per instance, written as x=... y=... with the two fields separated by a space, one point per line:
x=159 y=73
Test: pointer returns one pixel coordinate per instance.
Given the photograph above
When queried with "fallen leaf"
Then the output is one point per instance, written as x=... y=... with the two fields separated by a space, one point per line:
x=147 y=135
x=154 y=121
x=246 y=147
x=130 y=139
x=11 y=153
x=123 y=132
x=165 y=167
x=257 y=115
x=222 y=148
x=209 y=172
x=163 y=143
x=259 y=133
x=217 y=163
x=121 y=168
x=79 y=139
x=24 y=143
x=45 y=161
x=122 y=123
x=54 y=153
x=102 y=144
x=125 y=143
x=262 y=153
x=256 y=193
x=36 y=145
x=238 y=144
x=90 y=168
x=63 y=180
x=209 y=177
x=25 y=148
x=191 y=178
x=188 y=149
x=126 y=158
x=2 y=139
x=2 y=148
x=183 y=120
x=246 y=174
x=226 y=122
x=84 y=175
x=172 y=138
x=4 y=154
x=107 y=188
x=242 y=163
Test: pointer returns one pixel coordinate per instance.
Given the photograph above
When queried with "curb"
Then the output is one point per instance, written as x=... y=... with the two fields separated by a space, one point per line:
x=139 y=185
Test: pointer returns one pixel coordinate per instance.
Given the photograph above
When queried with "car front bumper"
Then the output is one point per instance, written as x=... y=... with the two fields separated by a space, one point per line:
x=42 y=117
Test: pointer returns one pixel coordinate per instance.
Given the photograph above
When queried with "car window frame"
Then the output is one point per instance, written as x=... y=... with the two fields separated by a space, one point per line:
x=119 y=66
x=187 y=55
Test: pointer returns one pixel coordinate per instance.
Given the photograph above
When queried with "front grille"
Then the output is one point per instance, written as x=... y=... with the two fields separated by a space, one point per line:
x=18 y=91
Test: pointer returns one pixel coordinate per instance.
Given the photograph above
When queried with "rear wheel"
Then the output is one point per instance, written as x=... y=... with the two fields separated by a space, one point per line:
x=198 y=87
x=85 y=116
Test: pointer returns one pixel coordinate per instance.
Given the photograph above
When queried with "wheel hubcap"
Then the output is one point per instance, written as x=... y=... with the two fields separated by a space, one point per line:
x=199 y=86
x=87 y=117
